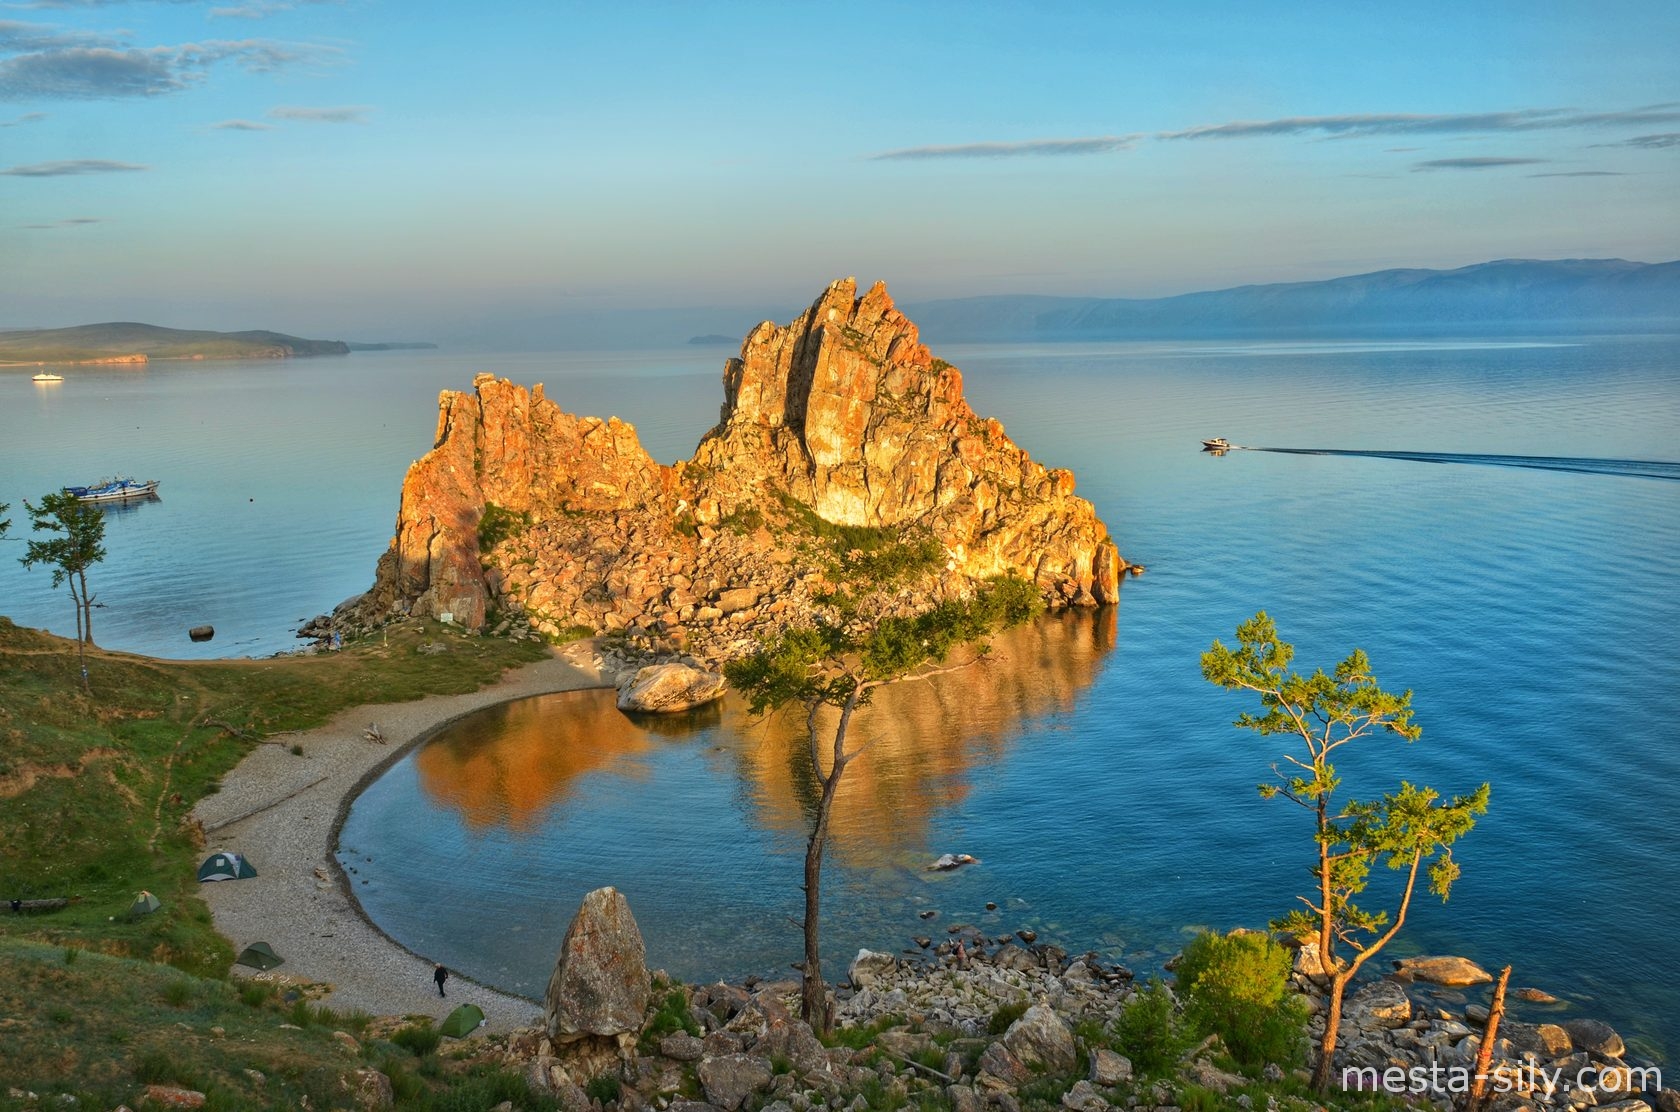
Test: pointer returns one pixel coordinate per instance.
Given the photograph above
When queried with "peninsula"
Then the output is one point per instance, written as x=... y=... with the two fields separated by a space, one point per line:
x=845 y=461
x=128 y=342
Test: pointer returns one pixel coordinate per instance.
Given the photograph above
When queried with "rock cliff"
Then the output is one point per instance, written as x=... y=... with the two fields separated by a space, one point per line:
x=845 y=461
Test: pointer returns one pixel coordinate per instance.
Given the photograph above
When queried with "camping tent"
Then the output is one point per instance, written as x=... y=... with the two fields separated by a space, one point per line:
x=225 y=865
x=144 y=904
x=259 y=955
x=463 y=1021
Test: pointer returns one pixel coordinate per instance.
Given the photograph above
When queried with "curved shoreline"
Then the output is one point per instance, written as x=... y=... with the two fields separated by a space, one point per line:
x=301 y=901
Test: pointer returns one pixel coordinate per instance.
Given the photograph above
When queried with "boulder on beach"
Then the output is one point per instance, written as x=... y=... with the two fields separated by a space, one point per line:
x=669 y=688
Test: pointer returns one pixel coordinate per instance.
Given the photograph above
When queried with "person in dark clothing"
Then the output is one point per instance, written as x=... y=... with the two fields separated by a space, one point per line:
x=440 y=975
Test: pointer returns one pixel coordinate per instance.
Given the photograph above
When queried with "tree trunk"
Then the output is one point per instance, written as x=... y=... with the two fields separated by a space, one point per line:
x=1332 y=1029
x=813 y=991
x=81 y=635
x=87 y=609
x=1478 y=1096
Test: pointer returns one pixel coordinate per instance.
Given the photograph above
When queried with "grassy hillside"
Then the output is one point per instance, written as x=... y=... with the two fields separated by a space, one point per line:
x=96 y=790
x=89 y=342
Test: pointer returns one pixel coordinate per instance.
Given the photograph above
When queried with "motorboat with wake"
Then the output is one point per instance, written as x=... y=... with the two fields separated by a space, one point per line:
x=117 y=489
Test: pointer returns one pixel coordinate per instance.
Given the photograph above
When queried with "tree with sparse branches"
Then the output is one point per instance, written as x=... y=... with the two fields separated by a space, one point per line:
x=79 y=545
x=1411 y=830
x=5 y=523
x=824 y=665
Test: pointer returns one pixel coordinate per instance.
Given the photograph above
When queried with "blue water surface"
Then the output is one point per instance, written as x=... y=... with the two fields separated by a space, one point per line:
x=1531 y=611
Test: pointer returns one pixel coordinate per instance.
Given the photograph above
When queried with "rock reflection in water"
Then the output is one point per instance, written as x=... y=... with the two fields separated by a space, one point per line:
x=924 y=738
x=507 y=765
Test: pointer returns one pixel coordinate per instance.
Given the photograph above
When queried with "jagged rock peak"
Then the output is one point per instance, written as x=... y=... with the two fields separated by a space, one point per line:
x=842 y=415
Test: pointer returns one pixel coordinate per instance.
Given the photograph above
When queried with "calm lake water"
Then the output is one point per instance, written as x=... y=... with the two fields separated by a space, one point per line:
x=1532 y=612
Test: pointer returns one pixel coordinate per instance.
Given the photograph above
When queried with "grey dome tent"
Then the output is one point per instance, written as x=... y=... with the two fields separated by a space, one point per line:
x=259 y=955
x=144 y=904
x=225 y=865
x=463 y=1021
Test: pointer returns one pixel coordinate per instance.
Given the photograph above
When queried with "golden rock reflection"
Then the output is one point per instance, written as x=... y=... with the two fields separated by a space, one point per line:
x=924 y=738
x=509 y=765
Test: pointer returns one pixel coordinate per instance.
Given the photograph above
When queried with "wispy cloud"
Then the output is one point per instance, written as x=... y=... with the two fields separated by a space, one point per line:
x=73 y=222
x=1359 y=126
x=241 y=125
x=1482 y=163
x=45 y=63
x=261 y=9
x=1581 y=174
x=26 y=118
x=342 y=114
x=1029 y=148
x=1648 y=142
x=71 y=167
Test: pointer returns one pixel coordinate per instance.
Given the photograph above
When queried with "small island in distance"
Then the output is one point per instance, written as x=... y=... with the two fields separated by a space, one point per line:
x=129 y=342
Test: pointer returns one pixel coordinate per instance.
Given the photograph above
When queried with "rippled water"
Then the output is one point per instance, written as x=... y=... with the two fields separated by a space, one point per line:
x=1096 y=775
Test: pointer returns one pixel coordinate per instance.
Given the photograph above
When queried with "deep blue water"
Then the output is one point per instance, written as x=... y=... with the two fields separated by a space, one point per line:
x=1531 y=610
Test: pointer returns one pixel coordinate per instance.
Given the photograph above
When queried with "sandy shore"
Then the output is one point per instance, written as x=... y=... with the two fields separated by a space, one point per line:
x=314 y=923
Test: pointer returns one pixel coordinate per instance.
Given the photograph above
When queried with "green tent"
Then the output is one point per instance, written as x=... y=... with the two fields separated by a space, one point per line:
x=225 y=865
x=144 y=904
x=463 y=1021
x=259 y=955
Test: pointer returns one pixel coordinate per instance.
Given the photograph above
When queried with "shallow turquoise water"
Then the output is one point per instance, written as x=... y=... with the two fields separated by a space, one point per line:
x=1096 y=775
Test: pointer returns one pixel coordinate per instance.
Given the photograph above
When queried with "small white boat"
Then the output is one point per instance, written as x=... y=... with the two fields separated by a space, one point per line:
x=118 y=489
x=1217 y=444
x=48 y=376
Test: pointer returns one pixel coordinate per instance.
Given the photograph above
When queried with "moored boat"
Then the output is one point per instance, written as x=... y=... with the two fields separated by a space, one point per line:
x=117 y=489
x=1217 y=444
x=48 y=376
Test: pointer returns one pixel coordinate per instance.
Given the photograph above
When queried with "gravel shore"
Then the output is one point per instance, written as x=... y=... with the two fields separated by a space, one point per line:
x=298 y=902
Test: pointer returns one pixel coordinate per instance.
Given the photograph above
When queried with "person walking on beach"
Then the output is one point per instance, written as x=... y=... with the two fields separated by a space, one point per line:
x=440 y=975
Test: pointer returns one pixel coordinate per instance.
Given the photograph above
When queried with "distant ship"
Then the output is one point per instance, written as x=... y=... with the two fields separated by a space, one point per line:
x=1217 y=444
x=48 y=376
x=118 y=489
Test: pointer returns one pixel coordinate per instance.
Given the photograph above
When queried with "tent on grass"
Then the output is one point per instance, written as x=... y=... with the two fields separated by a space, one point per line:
x=259 y=955
x=225 y=865
x=463 y=1021
x=144 y=904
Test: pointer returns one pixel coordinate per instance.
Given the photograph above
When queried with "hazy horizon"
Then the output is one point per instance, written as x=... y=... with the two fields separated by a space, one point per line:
x=358 y=170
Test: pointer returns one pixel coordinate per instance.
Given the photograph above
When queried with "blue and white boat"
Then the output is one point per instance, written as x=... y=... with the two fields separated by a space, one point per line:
x=118 y=489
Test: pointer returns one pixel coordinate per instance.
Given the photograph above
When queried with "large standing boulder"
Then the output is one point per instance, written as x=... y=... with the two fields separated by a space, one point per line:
x=669 y=688
x=600 y=982
x=1042 y=1038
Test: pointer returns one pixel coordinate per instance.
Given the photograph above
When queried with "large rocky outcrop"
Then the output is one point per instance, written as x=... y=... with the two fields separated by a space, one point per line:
x=841 y=418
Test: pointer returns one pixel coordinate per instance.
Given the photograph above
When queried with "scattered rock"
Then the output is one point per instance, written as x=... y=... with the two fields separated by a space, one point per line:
x=1042 y=1038
x=201 y=633
x=371 y=1090
x=1378 y=1004
x=1109 y=1069
x=730 y=1079
x=1596 y=1038
x=168 y=1096
x=1536 y=996
x=869 y=967
x=1442 y=970
x=682 y=1047
x=1082 y=1097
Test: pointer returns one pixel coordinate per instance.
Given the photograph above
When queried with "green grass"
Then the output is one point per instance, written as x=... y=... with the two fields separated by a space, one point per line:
x=97 y=789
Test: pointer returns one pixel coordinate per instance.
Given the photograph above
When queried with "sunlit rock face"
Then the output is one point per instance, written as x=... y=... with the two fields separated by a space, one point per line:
x=521 y=508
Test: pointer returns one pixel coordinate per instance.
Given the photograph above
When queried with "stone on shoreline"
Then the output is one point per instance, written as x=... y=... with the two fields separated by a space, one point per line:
x=600 y=982
x=1451 y=971
x=669 y=689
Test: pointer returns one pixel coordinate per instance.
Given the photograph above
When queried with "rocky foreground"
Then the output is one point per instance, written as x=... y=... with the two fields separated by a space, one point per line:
x=993 y=1024
x=845 y=463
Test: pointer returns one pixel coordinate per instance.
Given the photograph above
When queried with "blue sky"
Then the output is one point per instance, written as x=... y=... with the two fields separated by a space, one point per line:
x=378 y=169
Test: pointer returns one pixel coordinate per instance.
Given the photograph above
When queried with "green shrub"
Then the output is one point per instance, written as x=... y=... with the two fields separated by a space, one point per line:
x=605 y=1088
x=498 y=524
x=672 y=1016
x=177 y=993
x=158 y=1067
x=1004 y=1016
x=1150 y=1032
x=1236 y=986
x=419 y=1039
x=254 y=994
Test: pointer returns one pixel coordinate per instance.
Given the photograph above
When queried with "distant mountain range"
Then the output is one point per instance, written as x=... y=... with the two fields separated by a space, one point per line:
x=1496 y=295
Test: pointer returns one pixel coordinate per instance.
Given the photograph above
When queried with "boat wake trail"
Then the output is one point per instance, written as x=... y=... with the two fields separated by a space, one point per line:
x=1630 y=468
